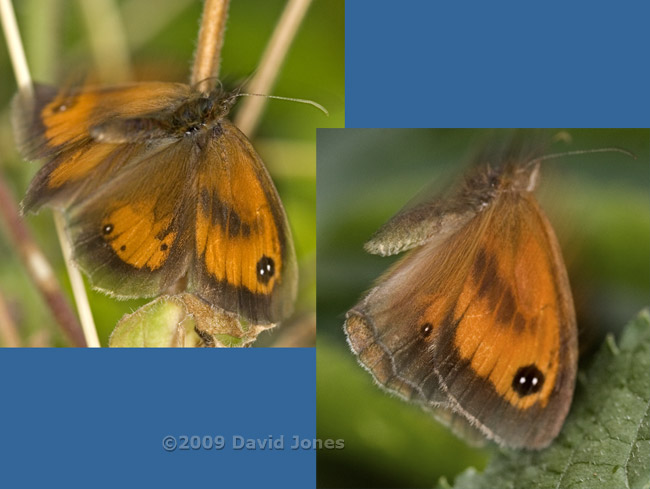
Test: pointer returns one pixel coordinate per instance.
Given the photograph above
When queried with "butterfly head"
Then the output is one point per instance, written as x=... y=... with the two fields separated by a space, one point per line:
x=203 y=111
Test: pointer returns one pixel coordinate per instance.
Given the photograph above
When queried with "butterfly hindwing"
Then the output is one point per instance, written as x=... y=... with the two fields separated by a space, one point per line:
x=133 y=243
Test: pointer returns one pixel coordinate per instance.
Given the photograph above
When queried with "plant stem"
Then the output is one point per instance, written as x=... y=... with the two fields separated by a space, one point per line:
x=77 y=283
x=274 y=55
x=15 y=46
x=8 y=331
x=24 y=81
x=208 y=51
x=39 y=268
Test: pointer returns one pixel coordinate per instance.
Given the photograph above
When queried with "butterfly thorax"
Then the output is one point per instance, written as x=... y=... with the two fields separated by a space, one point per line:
x=192 y=116
x=518 y=177
x=202 y=112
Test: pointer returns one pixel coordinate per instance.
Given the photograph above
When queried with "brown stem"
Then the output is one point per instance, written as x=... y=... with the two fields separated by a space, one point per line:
x=250 y=111
x=208 y=51
x=39 y=268
x=8 y=331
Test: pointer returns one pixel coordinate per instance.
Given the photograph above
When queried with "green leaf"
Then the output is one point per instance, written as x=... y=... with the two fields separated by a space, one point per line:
x=182 y=320
x=605 y=442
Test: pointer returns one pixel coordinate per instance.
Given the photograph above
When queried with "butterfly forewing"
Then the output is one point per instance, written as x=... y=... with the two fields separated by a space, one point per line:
x=244 y=250
x=57 y=125
x=507 y=354
x=56 y=120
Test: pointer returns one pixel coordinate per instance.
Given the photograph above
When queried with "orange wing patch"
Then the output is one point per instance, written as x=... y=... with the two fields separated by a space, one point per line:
x=236 y=233
x=137 y=237
x=508 y=330
x=79 y=164
x=68 y=117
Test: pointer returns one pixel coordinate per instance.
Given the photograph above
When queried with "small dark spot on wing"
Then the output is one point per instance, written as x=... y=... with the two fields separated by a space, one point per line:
x=426 y=329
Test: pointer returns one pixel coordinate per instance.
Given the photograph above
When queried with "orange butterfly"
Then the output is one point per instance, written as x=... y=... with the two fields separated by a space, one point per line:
x=157 y=184
x=477 y=322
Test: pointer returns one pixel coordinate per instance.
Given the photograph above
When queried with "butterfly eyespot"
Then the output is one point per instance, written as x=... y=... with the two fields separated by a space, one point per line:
x=265 y=269
x=426 y=329
x=528 y=380
x=108 y=229
x=163 y=247
x=123 y=247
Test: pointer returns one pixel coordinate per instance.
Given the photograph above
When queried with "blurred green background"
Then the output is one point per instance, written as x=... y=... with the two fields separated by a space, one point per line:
x=160 y=36
x=599 y=205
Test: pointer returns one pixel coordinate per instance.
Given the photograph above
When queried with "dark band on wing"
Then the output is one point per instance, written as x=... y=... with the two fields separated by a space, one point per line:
x=223 y=216
x=499 y=294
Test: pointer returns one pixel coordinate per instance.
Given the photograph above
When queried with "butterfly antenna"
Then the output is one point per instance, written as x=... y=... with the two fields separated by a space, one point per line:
x=290 y=99
x=537 y=161
x=581 y=152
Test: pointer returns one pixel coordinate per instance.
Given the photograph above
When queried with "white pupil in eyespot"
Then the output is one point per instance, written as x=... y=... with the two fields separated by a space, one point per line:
x=534 y=380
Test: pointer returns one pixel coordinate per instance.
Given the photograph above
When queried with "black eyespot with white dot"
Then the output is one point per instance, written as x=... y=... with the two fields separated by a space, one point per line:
x=163 y=247
x=528 y=380
x=426 y=329
x=265 y=269
x=107 y=229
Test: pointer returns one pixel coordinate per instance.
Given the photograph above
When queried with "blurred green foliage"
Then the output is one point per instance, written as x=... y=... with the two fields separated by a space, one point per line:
x=56 y=39
x=598 y=205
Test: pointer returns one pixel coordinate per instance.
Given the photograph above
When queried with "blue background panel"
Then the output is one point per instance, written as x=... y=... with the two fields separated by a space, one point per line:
x=497 y=64
x=97 y=418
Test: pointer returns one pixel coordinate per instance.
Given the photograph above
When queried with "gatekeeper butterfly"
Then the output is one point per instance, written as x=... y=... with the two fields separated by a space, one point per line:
x=157 y=185
x=477 y=321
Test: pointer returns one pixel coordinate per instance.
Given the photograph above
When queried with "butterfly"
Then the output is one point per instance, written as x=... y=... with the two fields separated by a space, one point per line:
x=476 y=323
x=158 y=186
